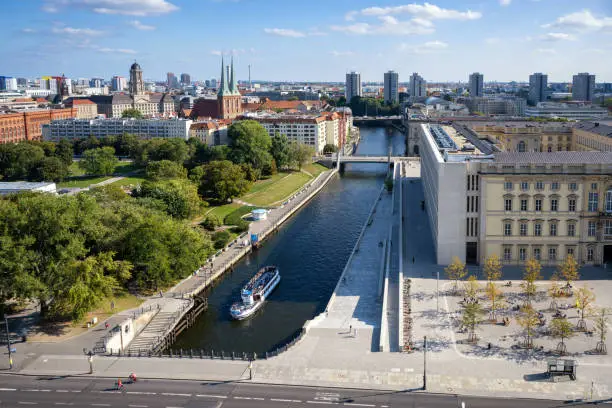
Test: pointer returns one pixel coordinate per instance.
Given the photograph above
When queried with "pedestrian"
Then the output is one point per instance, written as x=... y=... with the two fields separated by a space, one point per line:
x=161 y=294
x=413 y=260
x=106 y=325
x=350 y=329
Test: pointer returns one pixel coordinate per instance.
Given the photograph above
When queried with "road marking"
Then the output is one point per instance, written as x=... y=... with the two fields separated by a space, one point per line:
x=138 y=406
x=174 y=407
x=63 y=403
x=27 y=403
x=76 y=391
x=354 y=404
x=279 y=400
x=141 y=393
x=30 y=390
x=101 y=405
x=62 y=391
x=321 y=402
x=8 y=389
x=211 y=396
x=259 y=399
x=244 y=398
x=171 y=394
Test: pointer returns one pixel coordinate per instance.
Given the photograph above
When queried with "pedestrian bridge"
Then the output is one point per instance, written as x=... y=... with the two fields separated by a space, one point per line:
x=360 y=159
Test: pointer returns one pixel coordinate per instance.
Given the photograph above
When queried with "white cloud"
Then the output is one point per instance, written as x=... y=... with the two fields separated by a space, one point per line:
x=139 y=26
x=28 y=30
x=216 y=52
x=429 y=47
x=389 y=26
x=505 y=2
x=126 y=7
x=492 y=40
x=582 y=21
x=342 y=53
x=557 y=37
x=545 y=51
x=76 y=31
x=117 y=50
x=284 y=32
x=425 y=11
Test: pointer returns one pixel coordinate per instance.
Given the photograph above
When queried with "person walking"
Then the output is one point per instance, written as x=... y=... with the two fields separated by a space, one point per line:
x=350 y=330
x=413 y=260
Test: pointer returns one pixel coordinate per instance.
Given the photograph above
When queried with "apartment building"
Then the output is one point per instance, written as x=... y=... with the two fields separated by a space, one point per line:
x=211 y=132
x=542 y=205
x=313 y=130
x=573 y=111
x=100 y=128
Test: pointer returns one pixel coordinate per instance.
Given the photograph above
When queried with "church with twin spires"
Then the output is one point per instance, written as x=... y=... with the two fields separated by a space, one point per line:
x=228 y=104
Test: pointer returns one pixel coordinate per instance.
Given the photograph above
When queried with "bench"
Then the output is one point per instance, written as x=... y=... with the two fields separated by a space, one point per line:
x=558 y=367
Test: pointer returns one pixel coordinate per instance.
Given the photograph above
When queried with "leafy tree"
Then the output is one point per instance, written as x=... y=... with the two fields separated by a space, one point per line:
x=330 y=148
x=132 y=113
x=249 y=143
x=18 y=161
x=220 y=239
x=180 y=196
x=471 y=317
x=210 y=223
x=300 y=154
x=175 y=150
x=561 y=328
x=455 y=272
x=569 y=270
x=531 y=274
x=493 y=268
x=601 y=328
x=528 y=319
x=250 y=173
x=99 y=162
x=91 y=142
x=280 y=150
x=165 y=169
x=584 y=300
x=269 y=169
x=64 y=150
x=471 y=287
x=51 y=169
x=496 y=298
x=220 y=180
x=126 y=144
x=341 y=101
x=554 y=291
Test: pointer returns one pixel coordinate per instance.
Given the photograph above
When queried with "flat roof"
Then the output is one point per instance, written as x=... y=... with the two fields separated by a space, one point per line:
x=595 y=127
x=22 y=185
x=554 y=158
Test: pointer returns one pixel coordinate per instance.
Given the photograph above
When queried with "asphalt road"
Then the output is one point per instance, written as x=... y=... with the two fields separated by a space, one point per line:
x=21 y=391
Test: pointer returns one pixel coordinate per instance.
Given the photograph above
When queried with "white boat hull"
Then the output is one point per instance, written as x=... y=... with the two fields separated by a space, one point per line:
x=250 y=311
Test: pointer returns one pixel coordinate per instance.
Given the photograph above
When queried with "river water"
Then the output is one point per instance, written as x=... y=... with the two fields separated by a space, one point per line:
x=310 y=249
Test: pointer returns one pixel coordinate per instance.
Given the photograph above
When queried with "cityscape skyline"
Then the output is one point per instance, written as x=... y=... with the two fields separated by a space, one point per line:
x=94 y=38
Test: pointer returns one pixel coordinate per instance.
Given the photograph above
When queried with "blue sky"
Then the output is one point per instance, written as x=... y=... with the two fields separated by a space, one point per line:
x=309 y=40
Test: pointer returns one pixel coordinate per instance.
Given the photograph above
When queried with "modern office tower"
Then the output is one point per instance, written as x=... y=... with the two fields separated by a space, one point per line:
x=538 y=83
x=417 y=87
x=172 y=81
x=96 y=82
x=353 y=85
x=583 y=87
x=391 y=87
x=118 y=83
x=8 y=83
x=185 y=79
x=476 y=84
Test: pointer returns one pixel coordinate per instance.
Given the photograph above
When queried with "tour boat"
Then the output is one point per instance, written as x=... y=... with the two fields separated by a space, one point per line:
x=255 y=292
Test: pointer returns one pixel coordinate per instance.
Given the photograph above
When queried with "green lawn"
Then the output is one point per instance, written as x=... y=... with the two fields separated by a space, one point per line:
x=81 y=182
x=221 y=211
x=315 y=169
x=277 y=190
x=129 y=181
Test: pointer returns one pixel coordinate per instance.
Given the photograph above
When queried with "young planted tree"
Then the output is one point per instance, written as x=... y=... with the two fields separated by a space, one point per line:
x=496 y=298
x=561 y=328
x=569 y=270
x=531 y=274
x=584 y=299
x=493 y=268
x=471 y=287
x=528 y=319
x=455 y=272
x=554 y=291
x=601 y=328
x=472 y=313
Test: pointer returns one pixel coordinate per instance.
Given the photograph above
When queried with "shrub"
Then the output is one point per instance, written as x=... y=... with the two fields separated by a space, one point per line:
x=221 y=239
x=210 y=223
x=241 y=226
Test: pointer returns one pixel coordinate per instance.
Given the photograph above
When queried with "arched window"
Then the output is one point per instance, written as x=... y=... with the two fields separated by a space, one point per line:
x=521 y=147
x=609 y=200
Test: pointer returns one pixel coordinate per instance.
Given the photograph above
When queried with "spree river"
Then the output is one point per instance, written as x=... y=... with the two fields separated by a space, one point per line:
x=310 y=249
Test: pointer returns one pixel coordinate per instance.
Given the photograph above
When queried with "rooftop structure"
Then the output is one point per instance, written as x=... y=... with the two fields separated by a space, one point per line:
x=12 y=187
x=566 y=111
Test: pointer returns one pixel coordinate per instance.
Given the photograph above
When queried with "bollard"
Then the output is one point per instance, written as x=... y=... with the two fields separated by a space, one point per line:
x=222 y=357
x=233 y=356
x=254 y=356
x=201 y=354
x=266 y=355
x=171 y=353
x=111 y=352
x=212 y=354
x=181 y=353
x=190 y=353
x=244 y=356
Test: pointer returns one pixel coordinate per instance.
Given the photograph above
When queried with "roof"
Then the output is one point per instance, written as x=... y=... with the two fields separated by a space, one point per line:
x=595 y=127
x=554 y=158
x=135 y=66
x=22 y=185
x=82 y=101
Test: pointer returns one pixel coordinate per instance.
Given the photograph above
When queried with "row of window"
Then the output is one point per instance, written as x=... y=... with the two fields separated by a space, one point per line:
x=536 y=253
x=553 y=228
x=554 y=204
x=539 y=185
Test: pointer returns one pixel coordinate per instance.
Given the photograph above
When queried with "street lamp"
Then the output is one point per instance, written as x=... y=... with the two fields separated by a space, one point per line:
x=8 y=341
